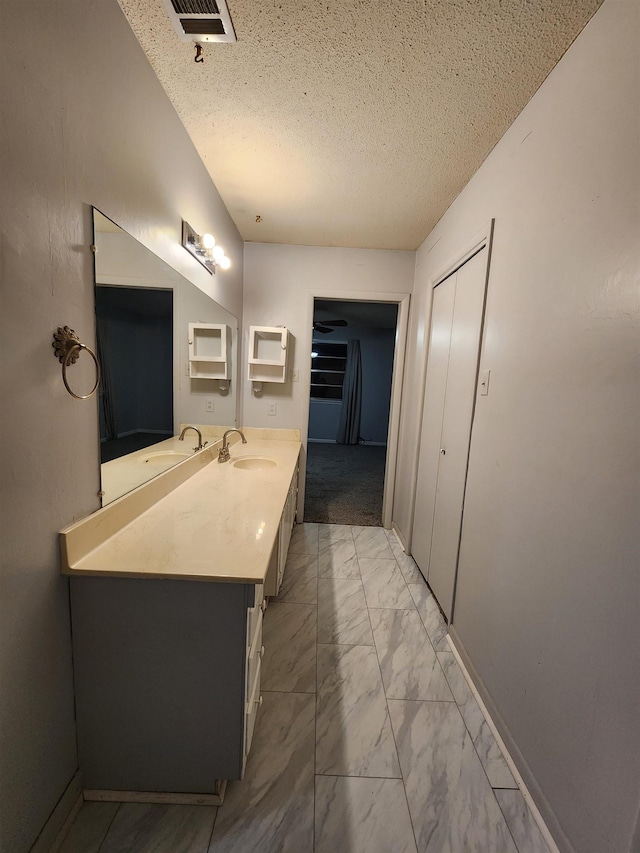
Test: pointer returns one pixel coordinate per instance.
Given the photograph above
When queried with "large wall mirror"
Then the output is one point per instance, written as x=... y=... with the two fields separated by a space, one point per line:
x=143 y=312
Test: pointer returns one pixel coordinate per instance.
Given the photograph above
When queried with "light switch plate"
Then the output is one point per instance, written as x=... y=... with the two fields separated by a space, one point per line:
x=484 y=382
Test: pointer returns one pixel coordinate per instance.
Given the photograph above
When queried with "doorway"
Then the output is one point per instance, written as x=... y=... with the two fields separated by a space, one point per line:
x=449 y=402
x=354 y=374
x=135 y=345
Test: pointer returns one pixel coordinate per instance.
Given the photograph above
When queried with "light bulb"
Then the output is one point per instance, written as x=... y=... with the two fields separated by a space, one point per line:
x=218 y=254
x=225 y=263
x=208 y=241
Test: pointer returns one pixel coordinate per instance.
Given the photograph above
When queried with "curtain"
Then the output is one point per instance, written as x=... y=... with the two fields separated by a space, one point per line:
x=349 y=423
x=108 y=428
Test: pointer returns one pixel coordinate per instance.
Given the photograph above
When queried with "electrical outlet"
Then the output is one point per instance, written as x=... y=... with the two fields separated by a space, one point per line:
x=208 y=406
x=272 y=409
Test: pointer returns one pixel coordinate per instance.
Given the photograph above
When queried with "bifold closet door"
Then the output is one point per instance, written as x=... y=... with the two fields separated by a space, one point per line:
x=432 y=415
x=440 y=493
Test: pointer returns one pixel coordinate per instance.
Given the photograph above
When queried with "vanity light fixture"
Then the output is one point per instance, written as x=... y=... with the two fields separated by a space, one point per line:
x=204 y=249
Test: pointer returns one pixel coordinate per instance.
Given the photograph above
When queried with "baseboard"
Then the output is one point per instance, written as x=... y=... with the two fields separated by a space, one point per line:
x=398 y=534
x=162 y=798
x=521 y=773
x=58 y=823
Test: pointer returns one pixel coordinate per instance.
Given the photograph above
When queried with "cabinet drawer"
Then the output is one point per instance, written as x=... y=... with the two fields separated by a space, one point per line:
x=251 y=711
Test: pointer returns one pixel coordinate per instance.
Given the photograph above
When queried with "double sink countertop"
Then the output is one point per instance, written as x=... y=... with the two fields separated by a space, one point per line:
x=200 y=520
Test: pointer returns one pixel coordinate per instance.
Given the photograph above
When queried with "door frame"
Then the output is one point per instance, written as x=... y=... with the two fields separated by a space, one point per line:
x=483 y=237
x=402 y=300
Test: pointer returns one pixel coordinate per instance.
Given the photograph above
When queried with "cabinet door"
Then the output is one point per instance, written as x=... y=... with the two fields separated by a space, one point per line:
x=289 y=515
x=279 y=556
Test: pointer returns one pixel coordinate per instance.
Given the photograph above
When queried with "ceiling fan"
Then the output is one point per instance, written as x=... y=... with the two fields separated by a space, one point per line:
x=326 y=326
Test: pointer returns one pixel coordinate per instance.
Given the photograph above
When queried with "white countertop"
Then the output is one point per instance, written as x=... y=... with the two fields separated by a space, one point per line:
x=219 y=525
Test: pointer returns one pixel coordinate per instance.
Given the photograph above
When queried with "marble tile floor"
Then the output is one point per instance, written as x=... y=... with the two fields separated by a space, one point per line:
x=369 y=739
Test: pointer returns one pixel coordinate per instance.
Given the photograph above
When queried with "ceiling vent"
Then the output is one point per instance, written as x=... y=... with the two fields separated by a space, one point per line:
x=201 y=20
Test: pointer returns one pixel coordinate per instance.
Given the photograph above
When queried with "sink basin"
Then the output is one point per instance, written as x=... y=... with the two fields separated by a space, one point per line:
x=254 y=463
x=163 y=457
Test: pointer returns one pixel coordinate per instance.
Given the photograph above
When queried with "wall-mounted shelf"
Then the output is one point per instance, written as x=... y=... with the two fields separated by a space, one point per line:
x=209 y=351
x=268 y=352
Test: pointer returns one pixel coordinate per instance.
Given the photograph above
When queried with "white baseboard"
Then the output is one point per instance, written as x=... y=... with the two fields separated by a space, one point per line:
x=535 y=812
x=396 y=532
x=61 y=818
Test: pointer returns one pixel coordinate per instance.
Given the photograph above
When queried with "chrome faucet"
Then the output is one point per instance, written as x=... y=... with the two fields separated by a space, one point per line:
x=200 y=444
x=223 y=453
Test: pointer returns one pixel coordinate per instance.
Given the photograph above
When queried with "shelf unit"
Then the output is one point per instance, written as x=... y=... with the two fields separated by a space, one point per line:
x=328 y=363
x=268 y=352
x=209 y=351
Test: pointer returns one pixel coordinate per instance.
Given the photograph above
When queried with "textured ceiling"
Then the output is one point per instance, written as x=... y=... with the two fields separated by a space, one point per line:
x=355 y=122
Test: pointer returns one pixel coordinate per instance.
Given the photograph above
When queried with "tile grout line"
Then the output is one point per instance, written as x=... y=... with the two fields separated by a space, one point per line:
x=535 y=813
x=108 y=830
x=393 y=734
x=475 y=749
x=455 y=702
x=213 y=826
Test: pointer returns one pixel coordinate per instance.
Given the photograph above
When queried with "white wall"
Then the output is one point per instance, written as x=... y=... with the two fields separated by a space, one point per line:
x=548 y=605
x=84 y=121
x=278 y=284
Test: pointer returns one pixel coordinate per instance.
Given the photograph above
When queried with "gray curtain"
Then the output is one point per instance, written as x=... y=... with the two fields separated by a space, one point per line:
x=349 y=423
x=108 y=429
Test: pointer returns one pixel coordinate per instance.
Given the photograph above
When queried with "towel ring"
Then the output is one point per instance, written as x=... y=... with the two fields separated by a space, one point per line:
x=67 y=348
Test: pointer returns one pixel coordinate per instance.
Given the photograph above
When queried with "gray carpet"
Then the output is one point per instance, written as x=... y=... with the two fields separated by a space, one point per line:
x=344 y=484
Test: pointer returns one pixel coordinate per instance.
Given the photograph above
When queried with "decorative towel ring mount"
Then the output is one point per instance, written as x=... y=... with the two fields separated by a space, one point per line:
x=67 y=348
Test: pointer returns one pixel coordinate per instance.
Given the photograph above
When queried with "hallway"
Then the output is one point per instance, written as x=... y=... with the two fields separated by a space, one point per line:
x=369 y=739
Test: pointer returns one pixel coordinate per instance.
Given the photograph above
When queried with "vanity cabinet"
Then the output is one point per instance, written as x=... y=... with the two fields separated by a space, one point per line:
x=281 y=545
x=168 y=590
x=167 y=677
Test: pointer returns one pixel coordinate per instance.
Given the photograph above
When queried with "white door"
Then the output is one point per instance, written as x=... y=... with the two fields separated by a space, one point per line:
x=452 y=368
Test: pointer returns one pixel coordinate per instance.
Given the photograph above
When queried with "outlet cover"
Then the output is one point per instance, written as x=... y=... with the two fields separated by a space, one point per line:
x=208 y=406
x=272 y=409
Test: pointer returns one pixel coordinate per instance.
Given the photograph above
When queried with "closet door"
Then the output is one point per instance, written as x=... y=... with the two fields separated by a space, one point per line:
x=438 y=514
x=432 y=415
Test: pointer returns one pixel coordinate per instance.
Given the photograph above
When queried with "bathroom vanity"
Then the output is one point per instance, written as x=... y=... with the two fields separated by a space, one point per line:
x=168 y=593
